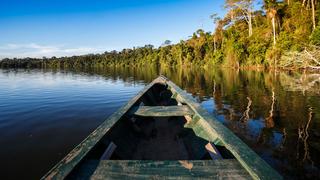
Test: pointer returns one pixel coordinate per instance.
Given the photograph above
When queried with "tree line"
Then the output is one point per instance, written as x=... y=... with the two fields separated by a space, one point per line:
x=266 y=33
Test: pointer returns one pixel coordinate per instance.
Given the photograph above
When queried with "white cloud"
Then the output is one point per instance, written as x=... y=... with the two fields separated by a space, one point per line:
x=37 y=50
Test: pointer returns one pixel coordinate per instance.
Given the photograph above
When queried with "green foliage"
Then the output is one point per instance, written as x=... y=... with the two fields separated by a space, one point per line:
x=257 y=51
x=315 y=37
x=285 y=41
x=273 y=56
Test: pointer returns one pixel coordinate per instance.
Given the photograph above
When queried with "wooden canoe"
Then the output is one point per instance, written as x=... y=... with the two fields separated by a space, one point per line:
x=162 y=133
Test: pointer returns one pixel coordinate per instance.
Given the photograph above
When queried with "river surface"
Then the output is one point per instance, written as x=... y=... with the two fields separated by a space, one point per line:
x=45 y=113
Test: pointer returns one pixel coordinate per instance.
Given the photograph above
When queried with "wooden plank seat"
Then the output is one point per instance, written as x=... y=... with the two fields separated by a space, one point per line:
x=161 y=111
x=217 y=169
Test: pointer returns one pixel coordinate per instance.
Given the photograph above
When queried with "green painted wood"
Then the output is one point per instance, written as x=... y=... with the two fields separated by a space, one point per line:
x=211 y=129
x=218 y=169
x=161 y=111
x=66 y=165
x=193 y=124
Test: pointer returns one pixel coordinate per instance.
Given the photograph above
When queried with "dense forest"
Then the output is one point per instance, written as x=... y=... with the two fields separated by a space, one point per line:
x=253 y=33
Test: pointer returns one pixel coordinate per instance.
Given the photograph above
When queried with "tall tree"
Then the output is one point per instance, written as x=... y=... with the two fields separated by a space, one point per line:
x=271 y=7
x=216 y=19
x=241 y=9
x=311 y=3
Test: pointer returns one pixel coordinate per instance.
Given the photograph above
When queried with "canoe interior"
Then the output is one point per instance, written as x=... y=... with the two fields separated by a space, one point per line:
x=151 y=138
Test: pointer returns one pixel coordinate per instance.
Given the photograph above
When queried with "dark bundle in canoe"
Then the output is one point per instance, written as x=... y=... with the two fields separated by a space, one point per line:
x=162 y=133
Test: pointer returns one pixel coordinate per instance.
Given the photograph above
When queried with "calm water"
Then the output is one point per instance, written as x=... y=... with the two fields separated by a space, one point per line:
x=45 y=113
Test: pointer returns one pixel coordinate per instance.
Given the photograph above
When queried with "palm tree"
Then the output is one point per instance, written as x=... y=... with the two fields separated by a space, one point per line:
x=271 y=7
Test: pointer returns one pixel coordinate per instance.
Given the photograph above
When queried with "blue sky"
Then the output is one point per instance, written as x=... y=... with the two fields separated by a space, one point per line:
x=37 y=28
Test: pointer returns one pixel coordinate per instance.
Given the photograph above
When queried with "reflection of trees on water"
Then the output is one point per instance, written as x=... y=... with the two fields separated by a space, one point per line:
x=245 y=117
x=266 y=133
x=284 y=138
x=302 y=82
x=303 y=136
x=269 y=120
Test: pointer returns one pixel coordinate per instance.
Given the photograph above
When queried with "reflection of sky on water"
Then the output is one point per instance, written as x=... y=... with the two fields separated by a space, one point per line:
x=277 y=139
x=209 y=105
x=255 y=127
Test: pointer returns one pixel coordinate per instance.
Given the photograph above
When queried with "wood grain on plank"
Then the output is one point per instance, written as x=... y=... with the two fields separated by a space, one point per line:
x=197 y=169
x=161 y=111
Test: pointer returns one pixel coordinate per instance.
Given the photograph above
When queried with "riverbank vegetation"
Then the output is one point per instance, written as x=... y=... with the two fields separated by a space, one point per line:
x=268 y=33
